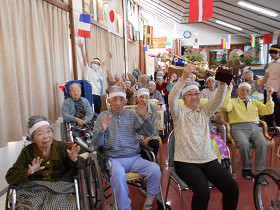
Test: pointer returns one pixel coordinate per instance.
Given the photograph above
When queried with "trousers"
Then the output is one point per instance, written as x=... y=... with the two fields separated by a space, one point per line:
x=137 y=164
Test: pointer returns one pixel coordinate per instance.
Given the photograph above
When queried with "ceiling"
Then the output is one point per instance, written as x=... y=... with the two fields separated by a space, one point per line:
x=168 y=12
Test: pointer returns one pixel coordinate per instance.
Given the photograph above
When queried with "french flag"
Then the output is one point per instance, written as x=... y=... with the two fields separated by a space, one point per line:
x=84 y=26
x=200 y=10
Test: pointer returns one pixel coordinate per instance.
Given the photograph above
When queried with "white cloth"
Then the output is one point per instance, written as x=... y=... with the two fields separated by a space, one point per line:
x=93 y=76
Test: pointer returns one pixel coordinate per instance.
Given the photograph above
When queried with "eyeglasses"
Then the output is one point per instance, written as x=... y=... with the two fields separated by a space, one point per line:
x=190 y=95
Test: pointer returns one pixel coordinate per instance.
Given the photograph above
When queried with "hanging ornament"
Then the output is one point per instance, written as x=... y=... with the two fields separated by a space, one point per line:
x=112 y=16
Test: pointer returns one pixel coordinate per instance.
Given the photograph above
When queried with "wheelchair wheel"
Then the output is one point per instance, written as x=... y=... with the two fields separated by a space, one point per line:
x=267 y=190
x=96 y=185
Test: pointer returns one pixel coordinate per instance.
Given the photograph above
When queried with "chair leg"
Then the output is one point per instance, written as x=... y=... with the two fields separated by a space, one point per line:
x=233 y=160
x=181 y=198
x=272 y=156
x=167 y=188
x=77 y=193
x=162 y=198
x=160 y=154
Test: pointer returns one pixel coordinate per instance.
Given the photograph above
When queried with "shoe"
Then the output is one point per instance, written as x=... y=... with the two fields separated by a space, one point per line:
x=247 y=174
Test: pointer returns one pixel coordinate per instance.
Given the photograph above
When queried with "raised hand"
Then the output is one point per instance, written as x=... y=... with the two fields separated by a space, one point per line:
x=142 y=111
x=187 y=70
x=110 y=55
x=104 y=123
x=35 y=166
x=269 y=91
x=80 y=43
x=73 y=153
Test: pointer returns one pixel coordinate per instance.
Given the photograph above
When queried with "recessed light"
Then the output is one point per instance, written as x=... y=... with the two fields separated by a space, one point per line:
x=256 y=8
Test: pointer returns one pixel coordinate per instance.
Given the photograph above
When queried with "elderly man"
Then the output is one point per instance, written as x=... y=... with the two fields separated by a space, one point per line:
x=115 y=130
x=93 y=71
x=272 y=78
x=243 y=114
x=117 y=78
x=77 y=109
x=249 y=78
x=194 y=161
x=144 y=82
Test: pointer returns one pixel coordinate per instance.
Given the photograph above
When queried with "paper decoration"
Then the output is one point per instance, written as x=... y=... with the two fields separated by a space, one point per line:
x=267 y=38
x=112 y=16
x=84 y=26
x=146 y=48
x=196 y=41
x=253 y=41
x=200 y=10
x=223 y=44
x=228 y=41
x=148 y=35
x=168 y=46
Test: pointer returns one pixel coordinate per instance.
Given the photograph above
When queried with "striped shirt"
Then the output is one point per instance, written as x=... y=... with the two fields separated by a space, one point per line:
x=119 y=139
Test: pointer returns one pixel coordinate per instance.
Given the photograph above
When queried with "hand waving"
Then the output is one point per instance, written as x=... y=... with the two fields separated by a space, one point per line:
x=269 y=91
x=73 y=154
x=142 y=111
x=80 y=43
x=104 y=123
x=35 y=166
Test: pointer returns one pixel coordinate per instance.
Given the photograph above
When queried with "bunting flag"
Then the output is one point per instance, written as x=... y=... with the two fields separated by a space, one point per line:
x=168 y=46
x=267 y=38
x=228 y=41
x=148 y=35
x=253 y=40
x=84 y=26
x=146 y=48
x=196 y=41
x=223 y=44
x=200 y=10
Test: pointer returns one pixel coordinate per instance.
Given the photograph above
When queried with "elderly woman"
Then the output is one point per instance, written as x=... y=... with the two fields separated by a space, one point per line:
x=143 y=100
x=77 y=109
x=210 y=91
x=45 y=169
x=195 y=162
x=154 y=94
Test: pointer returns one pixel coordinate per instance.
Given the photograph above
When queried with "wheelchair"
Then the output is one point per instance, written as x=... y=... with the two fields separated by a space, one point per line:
x=105 y=191
x=267 y=189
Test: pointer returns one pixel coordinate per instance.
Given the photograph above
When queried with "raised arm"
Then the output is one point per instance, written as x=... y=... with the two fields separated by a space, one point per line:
x=99 y=130
x=107 y=61
x=263 y=82
x=81 y=46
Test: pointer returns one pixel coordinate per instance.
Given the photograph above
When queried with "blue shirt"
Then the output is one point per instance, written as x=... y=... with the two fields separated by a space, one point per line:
x=119 y=139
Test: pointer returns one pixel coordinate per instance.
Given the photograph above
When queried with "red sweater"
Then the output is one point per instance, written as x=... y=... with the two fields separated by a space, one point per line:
x=162 y=87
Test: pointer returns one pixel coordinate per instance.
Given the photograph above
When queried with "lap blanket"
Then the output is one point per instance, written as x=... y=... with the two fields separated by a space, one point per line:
x=46 y=195
x=218 y=145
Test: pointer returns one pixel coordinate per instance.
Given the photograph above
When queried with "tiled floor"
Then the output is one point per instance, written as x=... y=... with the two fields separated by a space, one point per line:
x=246 y=200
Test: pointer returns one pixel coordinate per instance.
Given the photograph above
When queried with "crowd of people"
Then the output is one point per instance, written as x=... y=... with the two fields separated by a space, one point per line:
x=118 y=131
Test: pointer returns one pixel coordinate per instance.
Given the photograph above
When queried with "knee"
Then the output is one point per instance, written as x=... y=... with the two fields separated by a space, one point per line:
x=155 y=171
x=203 y=193
x=118 y=175
x=245 y=144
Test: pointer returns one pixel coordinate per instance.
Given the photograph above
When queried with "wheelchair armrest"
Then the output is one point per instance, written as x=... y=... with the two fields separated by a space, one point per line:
x=101 y=154
x=145 y=147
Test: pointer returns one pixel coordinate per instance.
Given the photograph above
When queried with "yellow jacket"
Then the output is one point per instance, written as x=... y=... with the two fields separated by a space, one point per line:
x=239 y=113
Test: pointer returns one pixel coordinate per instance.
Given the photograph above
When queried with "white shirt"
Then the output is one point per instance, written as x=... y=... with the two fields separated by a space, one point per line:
x=93 y=76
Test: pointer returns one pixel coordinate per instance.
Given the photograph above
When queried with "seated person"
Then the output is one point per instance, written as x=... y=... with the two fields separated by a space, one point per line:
x=117 y=78
x=249 y=78
x=243 y=115
x=115 y=130
x=144 y=83
x=77 y=109
x=194 y=161
x=154 y=94
x=143 y=100
x=210 y=91
x=129 y=90
x=161 y=87
x=171 y=82
x=45 y=169
x=128 y=85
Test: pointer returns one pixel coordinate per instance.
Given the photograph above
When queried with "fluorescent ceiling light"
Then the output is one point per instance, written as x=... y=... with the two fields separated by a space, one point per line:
x=228 y=25
x=258 y=9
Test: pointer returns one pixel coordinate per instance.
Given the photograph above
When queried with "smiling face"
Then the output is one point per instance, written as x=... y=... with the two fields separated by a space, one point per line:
x=192 y=99
x=143 y=100
x=151 y=88
x=43 y=137
x=249 y=77
x=244 y=92
x=159 y=81
x=117 y=103
x=145 y=80
x=211 y=83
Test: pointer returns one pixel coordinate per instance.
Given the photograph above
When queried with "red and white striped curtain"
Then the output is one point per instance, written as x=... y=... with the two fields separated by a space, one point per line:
x=177 y=47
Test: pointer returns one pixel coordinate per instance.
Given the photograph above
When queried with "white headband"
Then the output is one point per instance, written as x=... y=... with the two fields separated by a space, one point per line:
x=114 y=94
x=159 y=76
x=37 y=125
x=209 y=78
x=117 y=76
x=143 y=91
x=128 y=81
x=95 y=59
x=152 y=82
x=244 y=84
x=189 y=88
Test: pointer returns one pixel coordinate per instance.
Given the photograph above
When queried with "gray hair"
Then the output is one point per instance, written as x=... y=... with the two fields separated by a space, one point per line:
x=75 y=84
x=188 y=83
x=250 y=72
x=114 y=89
x=33 y=120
